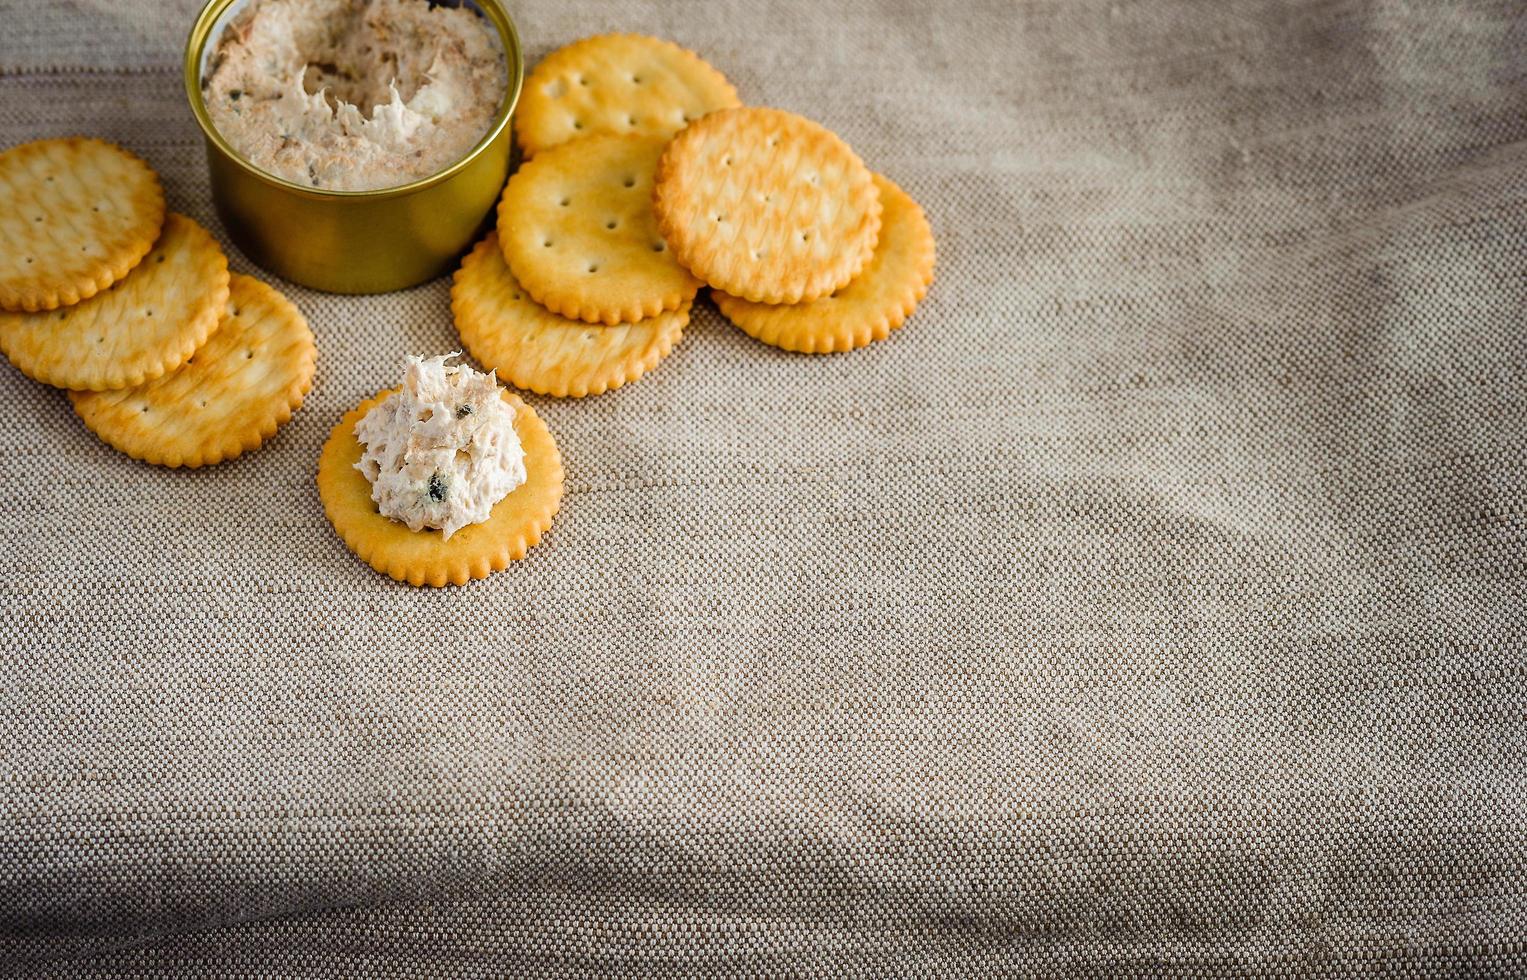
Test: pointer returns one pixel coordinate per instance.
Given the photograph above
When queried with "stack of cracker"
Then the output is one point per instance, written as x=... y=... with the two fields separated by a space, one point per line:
x=802 y=246
x=166 y=356
x=645 y=179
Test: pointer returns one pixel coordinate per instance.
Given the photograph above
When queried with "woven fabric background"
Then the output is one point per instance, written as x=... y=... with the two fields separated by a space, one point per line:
x=1152 y=603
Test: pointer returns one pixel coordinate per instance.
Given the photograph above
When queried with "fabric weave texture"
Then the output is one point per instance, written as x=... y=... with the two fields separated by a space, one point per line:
x=1151 y=604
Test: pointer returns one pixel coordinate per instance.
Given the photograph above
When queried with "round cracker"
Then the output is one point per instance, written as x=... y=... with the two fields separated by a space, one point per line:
x=76 y=215
x=878 y=300
x=514 y=526
x=533 y=348
x=766 y=205
x=142 y=327
x=576 y=226
x=234 y=393
x=616 y=83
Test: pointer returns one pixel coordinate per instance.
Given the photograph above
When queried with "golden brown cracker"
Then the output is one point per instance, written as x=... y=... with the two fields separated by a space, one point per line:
x=766 y=205
x=76 y=215
x=878 y=300
x=616 y=83
x=576 y=227
x=533 y=348
x=234 y=393
x=425 y=557
x=142 y=327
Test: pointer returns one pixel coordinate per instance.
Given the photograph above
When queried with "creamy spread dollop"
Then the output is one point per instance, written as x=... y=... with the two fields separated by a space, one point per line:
x=354 y=94
x=443 y=450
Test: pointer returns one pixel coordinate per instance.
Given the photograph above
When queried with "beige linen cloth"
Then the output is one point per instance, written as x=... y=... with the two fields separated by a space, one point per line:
x=1152 y=604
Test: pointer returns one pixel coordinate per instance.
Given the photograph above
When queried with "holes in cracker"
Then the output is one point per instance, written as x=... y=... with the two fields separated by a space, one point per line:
x=159 y=259
x=660 y=246
x=630 y=120
x=612 y=224
x=577 y=123
x=630 y=181
x=593 y=267
x=565 y=201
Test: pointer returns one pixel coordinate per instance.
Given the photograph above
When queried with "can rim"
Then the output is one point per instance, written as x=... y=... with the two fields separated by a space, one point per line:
x=509 y=39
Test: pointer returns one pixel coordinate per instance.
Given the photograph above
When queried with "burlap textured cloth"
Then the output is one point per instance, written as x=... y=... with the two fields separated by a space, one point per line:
x=1152 y=604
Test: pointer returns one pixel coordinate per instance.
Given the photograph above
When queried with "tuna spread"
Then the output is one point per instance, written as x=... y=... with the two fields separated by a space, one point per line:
x=354 y=94
x=442 y=451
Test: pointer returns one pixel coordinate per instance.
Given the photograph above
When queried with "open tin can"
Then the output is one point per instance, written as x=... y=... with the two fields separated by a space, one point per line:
x=355 y=241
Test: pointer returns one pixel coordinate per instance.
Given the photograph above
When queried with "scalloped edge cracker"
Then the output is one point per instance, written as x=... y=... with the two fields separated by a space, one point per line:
x=237 y=390
x=878 y=300
x=577 y=229
x=616 y=83
x=423 y=557
x=142 y=327
x=76 y=215
x=766 y=205
x=533 y=348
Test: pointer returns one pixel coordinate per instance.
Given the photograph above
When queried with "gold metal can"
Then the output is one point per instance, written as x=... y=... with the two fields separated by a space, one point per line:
x=356 y=241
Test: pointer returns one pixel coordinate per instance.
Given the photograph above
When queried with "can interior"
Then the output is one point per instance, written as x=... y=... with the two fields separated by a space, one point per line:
x=231 y=10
